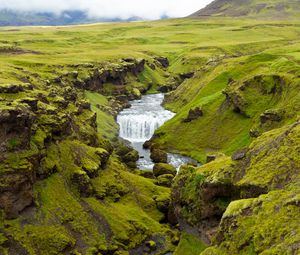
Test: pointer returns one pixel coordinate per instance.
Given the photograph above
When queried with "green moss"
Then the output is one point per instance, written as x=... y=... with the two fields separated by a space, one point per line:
x=189 y=244
x=236 y=207
x=58 y=203
x=269 y=228
x=49 y=240
x=106 y=125
x=13 y=143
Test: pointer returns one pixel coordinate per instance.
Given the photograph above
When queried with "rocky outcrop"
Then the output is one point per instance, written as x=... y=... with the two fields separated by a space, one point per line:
x=16 y=189
x=239 y=155
x=165 y=180
x=263 y=87
x=163 y=169
x=15 y=88
x=188 y=75
x=271 y=115
x=163 y=61
x=15 y=128
x=194 y=114
x=201 y=195
x=127 y=154
x=158 y=155
x=110 y=73
x=83 y=183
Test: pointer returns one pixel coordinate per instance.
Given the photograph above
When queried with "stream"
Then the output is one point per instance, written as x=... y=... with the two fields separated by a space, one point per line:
x=138 y=124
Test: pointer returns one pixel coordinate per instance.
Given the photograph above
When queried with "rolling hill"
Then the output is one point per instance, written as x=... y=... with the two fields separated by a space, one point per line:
x=274 y=9
x=16 y=18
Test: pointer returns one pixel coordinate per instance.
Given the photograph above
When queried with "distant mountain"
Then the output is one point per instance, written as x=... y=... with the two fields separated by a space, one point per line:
x=279 y=9
x=14 y=18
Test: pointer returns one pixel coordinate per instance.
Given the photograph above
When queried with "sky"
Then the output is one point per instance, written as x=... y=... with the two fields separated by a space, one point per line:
x=147 y=9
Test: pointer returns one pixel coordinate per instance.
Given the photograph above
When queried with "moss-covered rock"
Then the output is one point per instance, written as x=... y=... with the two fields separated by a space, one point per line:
x=163 y=169
x=158 y=156
x=203 y=194
x=165 y=180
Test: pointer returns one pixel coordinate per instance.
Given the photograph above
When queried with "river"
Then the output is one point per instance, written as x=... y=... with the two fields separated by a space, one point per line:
x=138 y=124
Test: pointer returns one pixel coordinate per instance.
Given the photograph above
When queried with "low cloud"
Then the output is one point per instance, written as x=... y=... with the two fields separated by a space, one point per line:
x=147 y=9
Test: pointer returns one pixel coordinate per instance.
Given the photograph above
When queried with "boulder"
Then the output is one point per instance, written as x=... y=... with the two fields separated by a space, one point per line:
x=127 y=154
x=15 y=128
x=82 y=106
x=83 y=183
x=165 y=180
x=210 y=158
x=163 y=61
x=270 y=115
x=240 y=154
x=147 y=145
x=32 y=103
x=194 y=114
x=11 y=88
x=159 y=156
x=165 y=88
x=16 y=192
x=164 y=169
x=131 y=156
x=254 y=133
x=188 y=75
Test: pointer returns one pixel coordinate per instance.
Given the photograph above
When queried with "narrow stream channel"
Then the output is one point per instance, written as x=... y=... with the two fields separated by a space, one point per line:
x=138 y=124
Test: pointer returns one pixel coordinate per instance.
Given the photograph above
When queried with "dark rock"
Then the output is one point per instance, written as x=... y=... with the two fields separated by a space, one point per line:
x=159 y=156
x=162 y=203
x=254 y=133
x=164 y=88
x=151 y=245
x=16 y=193
x=230 y=81
x=163 y=61
x=127 y=154
x=164 y=169
x=15 y=128
x=240 y=154
x=237 y=101
x=83 y=106
x=33 y=103
x=45 y=169
x=70 y=94
x=147 y=174
x=123 y=100
x=147 y=145
x=270 y=115
x=188 y=75
x=152 y=66
x=172 y=218
x=83 y=183
x=104 y=156
x=131 y=156
x=57 y=80
x=210 y=158
x=11 y=89
x=194 y=114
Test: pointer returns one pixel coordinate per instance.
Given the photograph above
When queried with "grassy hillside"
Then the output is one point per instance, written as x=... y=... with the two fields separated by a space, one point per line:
x=271 y=9
x=68 y=186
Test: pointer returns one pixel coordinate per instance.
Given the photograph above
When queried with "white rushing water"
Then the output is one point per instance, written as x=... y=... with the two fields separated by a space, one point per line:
x=138 y=124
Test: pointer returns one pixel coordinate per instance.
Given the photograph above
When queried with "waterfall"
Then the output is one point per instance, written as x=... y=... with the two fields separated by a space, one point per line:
x=138 y=123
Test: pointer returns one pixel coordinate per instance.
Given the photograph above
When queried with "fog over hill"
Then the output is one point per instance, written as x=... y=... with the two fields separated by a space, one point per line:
x=63 y=12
